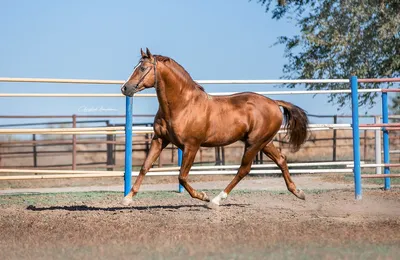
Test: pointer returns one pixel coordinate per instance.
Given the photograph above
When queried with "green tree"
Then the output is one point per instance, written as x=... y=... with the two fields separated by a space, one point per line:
x=395 y=106
x=340 y=38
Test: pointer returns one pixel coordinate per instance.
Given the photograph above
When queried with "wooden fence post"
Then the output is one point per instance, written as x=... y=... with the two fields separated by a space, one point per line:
x=172 y=153
x=365 y=145
x=334 y=139
x=217 y=156
x=223 y=155
x=34 y=151
x=109 y=145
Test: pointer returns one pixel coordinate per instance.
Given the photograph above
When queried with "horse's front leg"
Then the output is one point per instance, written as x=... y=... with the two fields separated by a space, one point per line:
x=189 y=154
x=157 y=145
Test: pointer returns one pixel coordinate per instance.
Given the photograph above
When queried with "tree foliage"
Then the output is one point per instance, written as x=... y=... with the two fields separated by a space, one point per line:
x=395 y=106
x=340 y=38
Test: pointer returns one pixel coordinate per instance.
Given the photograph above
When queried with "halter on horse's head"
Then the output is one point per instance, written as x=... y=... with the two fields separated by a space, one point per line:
x=143 y=76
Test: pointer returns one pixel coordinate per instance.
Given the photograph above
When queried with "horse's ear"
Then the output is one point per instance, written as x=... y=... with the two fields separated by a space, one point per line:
x=142 y=53
x=149 y=55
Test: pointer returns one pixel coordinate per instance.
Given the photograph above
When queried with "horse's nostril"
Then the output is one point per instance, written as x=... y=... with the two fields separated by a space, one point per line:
x=123 y=88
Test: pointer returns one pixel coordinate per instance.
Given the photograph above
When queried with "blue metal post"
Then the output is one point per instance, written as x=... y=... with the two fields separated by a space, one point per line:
x=180 y=189
x=356 y=137
x=385 y=120
x=128 y=146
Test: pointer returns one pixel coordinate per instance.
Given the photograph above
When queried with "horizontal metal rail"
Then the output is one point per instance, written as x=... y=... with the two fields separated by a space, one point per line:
x=380 y=125
x=380 y=176
x=336 y=91
x=77 y=116
x=119 y=82
x=153 y=115
x=194 y=168
x=61 y=174
x=149 y=129
x=262 y=81
x=374 y=165
x=298 y=81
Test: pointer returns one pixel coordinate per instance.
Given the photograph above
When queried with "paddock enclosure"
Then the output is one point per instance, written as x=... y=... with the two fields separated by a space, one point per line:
x=128 y=131
x=338 y=218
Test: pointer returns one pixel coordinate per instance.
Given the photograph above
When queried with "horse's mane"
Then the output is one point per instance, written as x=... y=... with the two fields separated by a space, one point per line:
x=179 y=70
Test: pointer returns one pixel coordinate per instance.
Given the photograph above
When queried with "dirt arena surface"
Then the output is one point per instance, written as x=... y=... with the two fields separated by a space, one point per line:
x=330 y=224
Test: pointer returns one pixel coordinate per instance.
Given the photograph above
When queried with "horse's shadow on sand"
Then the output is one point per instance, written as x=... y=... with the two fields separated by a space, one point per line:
x=139 y=208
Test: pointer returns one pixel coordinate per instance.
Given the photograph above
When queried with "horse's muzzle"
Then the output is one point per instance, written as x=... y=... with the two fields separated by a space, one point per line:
x=129 y=90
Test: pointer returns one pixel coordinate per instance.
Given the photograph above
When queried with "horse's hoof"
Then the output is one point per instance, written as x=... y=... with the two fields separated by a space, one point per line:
x=127 y=201
x=216 y=201
x=300 y=194
x=205 y=197
x=212 y=205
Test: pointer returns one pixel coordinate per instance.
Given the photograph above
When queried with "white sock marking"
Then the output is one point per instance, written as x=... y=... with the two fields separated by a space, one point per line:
x=221 y=196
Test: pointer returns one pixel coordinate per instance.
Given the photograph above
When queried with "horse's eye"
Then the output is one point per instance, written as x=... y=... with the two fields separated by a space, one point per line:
x=142 y=69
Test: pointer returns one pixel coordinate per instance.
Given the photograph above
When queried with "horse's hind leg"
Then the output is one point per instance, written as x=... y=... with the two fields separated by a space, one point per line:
x=273 y=153
x=244 y=169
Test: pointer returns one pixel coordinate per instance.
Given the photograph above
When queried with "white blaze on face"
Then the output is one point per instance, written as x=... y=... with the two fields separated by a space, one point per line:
x=221 y=196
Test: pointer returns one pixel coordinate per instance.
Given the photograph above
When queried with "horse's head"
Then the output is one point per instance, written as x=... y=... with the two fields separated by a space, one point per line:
x=143 y=75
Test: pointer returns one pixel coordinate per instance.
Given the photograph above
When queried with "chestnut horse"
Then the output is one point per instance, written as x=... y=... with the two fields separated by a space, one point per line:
x=190 y=118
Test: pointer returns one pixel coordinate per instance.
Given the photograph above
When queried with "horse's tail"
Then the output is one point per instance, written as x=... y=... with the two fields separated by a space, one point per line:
x=296 y=124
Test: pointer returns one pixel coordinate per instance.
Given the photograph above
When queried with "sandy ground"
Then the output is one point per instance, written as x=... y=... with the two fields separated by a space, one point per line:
x=259 y=220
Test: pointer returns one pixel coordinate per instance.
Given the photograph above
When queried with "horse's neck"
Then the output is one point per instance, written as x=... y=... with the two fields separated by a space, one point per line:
x=173 y=94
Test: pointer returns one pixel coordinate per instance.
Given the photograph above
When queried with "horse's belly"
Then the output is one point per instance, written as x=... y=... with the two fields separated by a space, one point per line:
x=214 y=143
x=225 y=133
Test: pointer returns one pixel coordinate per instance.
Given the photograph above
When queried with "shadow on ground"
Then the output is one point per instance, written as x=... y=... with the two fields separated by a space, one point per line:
x=90 y=208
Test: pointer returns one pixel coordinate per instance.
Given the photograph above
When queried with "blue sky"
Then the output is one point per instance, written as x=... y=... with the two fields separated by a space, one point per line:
x=98 y=39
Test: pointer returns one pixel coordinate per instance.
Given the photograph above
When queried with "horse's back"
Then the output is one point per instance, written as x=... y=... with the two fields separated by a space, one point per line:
x=235 y=117
x=246 y=101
